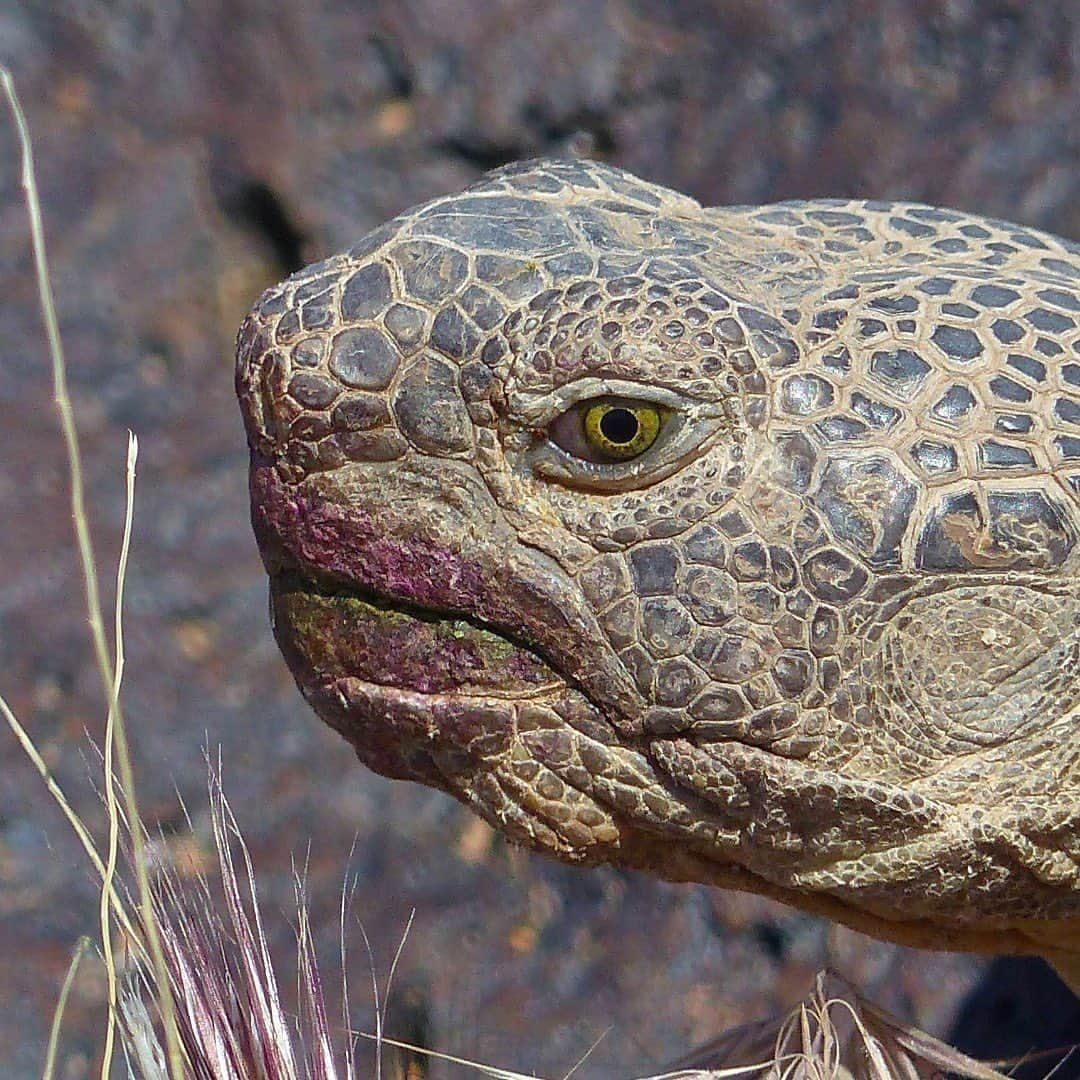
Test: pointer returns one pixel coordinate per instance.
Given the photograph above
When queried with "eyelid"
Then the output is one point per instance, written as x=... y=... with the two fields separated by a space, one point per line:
x=543 y=411
x=690 y=425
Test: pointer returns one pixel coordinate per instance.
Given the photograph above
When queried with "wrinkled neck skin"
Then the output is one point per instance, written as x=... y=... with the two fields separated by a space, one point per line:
x=819 y=639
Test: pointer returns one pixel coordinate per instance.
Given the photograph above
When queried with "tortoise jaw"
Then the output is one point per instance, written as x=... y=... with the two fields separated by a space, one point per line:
x=330 y=634
x=409 y=688
x=432 y=571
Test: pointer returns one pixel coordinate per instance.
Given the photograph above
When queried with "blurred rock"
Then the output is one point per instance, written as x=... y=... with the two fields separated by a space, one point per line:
x=189 y=154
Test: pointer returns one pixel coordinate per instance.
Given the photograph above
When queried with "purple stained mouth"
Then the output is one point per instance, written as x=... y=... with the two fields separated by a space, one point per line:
x=327 y=635
x=393 y=600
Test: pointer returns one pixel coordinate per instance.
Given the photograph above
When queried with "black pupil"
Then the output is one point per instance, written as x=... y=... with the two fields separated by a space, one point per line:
x=619 y=425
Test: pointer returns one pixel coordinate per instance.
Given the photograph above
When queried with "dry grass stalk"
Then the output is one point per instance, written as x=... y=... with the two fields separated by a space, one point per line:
x=833 y=1034
x=110 y=671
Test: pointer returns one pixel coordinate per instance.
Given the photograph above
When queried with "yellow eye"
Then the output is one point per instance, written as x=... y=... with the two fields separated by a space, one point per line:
x=620 y=430
x=609 y=430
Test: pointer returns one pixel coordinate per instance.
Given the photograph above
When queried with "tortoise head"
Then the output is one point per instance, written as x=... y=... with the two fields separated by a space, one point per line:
x=738 y=545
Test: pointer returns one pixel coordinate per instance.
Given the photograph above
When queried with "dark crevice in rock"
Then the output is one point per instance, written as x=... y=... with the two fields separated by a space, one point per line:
x=583 y=133
x=478 y=152
x=400 y=78
x=255 y=206
x=585 y=125
x=772 y=939
x=409 y=1020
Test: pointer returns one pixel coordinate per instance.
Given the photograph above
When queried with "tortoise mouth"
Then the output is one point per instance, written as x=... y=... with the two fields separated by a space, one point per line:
x=329 y=632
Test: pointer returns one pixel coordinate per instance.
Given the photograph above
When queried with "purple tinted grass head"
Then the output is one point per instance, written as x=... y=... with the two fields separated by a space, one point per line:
x=232 y=1025
x=229 y=1012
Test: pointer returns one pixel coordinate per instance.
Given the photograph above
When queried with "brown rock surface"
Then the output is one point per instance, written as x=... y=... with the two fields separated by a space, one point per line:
x=189 y=155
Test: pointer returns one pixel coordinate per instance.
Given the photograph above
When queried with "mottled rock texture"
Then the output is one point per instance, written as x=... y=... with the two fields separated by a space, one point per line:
x=190 y=155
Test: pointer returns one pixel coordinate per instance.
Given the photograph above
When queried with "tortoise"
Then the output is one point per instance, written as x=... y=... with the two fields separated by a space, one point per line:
x=738 y=545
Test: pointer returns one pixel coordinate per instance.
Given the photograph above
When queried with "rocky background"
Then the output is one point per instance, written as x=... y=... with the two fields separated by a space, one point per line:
x=189 y=154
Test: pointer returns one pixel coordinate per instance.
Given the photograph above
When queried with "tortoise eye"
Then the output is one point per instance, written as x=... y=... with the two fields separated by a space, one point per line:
x=621 y=430
x=609 y=429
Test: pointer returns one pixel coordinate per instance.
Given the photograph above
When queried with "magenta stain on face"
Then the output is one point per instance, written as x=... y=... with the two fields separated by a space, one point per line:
x=352 y=543
x=348 y=542
x=345 y=544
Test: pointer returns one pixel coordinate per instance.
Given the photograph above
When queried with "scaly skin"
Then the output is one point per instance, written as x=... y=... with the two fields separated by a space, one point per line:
x=820 y=641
